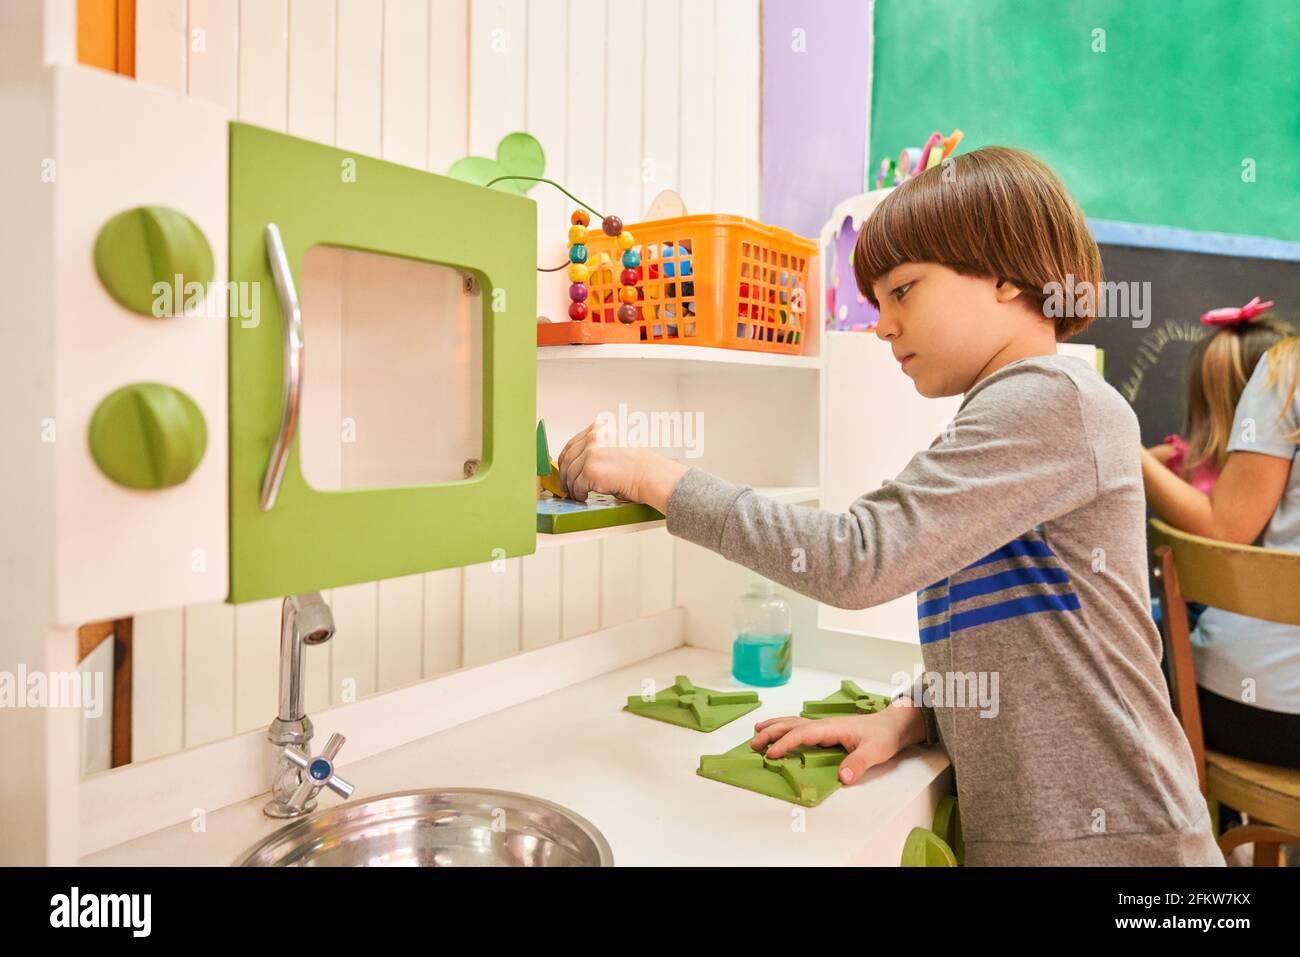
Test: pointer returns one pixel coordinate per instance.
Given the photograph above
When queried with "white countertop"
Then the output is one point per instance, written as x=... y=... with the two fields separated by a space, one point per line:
x=632 y=777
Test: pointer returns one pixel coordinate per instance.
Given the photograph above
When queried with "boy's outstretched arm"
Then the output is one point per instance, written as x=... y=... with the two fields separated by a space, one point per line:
x=1017 y=454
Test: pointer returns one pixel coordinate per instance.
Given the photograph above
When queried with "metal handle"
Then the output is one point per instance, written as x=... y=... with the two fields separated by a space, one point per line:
x=318 y=772
x=291 y=394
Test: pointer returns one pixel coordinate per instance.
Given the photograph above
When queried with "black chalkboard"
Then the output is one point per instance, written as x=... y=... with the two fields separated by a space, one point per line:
x=1149 y=365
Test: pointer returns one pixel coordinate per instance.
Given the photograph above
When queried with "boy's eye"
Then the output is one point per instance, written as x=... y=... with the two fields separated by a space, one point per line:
x=901 y=291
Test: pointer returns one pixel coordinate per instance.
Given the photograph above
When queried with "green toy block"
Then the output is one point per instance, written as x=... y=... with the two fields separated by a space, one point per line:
x=850 y=699
x=924 y=848
x=701 y=709
x=557 y=516
x=543 y=449
x=804 y=776
x=947 y=825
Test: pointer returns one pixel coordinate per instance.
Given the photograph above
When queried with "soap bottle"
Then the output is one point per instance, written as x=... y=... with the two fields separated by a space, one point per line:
x=762 y=651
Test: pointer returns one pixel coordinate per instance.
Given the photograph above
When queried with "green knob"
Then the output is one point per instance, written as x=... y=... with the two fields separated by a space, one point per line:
x=147 y=245
x=148 y=436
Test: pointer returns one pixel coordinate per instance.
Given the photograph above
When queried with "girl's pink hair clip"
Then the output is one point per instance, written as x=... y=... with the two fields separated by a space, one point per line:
x=1233 y=315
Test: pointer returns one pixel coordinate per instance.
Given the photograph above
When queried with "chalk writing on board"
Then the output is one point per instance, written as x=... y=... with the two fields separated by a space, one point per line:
x=1148 y=352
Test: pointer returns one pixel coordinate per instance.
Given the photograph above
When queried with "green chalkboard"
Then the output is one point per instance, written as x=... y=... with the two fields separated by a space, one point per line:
x=1163 y=127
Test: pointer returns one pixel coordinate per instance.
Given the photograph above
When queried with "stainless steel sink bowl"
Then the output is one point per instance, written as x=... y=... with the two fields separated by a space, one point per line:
x=457 y=827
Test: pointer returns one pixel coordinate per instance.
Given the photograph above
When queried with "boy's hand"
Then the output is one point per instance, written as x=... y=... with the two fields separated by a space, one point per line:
x=870 y=739
x=636 y=475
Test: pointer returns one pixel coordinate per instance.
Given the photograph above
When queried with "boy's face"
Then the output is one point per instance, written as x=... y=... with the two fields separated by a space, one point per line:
x=945 y=328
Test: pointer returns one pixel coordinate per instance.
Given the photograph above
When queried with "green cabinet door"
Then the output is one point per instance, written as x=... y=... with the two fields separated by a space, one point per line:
x=311 y=539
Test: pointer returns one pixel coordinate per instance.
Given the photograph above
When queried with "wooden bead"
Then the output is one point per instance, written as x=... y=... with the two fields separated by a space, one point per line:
x=579 y=273
x=631 y=259
x=579 y=218
x=625 y=240
x=577 y=234
x=612 y=225
x=628 y=277
x=628 y=294
x=578 y=292
x=577 y=311
x=578 y=253
x=626 y=314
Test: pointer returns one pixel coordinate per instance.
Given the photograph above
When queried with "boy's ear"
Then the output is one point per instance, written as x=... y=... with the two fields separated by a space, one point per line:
x=1006 y=290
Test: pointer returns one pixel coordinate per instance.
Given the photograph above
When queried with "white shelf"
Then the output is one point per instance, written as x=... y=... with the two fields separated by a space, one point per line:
x=785 y=494
x=678 y=358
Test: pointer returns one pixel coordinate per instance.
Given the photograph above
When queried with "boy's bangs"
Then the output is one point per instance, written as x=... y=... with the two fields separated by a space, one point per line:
x=910 y=225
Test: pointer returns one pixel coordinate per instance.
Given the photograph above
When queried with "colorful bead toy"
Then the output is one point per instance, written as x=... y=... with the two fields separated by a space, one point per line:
x=629 y=277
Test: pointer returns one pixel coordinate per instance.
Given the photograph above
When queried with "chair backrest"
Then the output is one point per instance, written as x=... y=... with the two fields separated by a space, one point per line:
x=1260 y=582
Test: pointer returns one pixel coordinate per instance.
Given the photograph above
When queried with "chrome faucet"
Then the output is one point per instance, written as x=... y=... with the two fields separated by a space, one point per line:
x=296 y=776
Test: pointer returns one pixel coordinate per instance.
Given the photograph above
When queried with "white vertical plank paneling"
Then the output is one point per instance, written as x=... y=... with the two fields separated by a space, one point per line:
x=580 y=584
x=401 y=634
x=624 y=153
x=498 y=38
x=157 y=711
x=352 y=650
x=490 y=615
x=263 y=62
x=448 y=123
x=540 y=591
x=160 y=43
x=585 y=146
x=404 y=132
x=311 y=70
x=695 y=112
x=359 y=36
x=655 y=558
x=736 y=99
x=257 y=663
x=443 y=597
x=662 y=98
x=620 y=579
x=213 y=58
x=548 y=45
x=209 y=673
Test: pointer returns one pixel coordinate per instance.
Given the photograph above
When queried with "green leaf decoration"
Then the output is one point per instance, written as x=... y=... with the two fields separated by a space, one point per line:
x=517 y=154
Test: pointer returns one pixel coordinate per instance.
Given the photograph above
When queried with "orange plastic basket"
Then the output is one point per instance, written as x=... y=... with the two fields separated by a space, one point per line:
x=706 y=280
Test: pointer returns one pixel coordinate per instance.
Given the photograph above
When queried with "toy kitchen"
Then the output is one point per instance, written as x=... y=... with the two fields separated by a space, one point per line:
x=303 y=303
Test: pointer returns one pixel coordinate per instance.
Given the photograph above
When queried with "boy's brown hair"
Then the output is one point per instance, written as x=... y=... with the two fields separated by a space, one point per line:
x=995 y=212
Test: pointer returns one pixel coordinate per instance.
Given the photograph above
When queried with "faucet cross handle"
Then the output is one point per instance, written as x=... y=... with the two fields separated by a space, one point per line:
x=318 y=772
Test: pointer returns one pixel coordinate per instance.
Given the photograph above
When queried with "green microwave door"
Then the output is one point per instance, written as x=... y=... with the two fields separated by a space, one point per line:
x=312 y=539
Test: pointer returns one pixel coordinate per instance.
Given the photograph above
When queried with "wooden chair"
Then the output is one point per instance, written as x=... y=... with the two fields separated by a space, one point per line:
x=1262 y=583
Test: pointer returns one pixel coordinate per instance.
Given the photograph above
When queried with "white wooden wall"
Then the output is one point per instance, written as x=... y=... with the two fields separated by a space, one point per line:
x=627 y=97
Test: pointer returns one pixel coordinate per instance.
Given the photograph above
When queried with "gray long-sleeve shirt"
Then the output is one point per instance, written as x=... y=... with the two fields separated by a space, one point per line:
x=1022 y=531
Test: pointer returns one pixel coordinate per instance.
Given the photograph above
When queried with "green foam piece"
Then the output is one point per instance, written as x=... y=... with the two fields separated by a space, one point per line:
x=924 y=848
x=947 y=825
x=701 y=709
x=804 y=776
x=850 y=699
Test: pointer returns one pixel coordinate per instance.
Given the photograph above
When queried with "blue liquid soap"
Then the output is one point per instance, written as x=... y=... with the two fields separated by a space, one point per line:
x=764 y=660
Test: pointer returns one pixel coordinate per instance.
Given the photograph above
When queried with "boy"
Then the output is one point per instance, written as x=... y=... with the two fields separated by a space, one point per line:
x=1021 y=528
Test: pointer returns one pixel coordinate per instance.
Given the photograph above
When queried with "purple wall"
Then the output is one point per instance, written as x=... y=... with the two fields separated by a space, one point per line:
x=814 y=108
